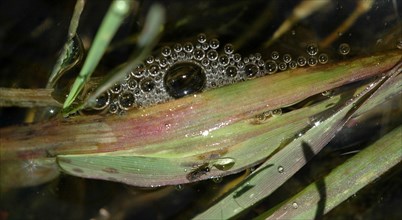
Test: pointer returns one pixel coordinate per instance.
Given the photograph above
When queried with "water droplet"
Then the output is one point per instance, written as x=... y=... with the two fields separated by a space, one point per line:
x=231 y=71
x=292 y=64
x=228 y=48
x=282 y=66
x=312 y=49
x=166 y=51
x=344 y=49
x=212 y=55
x=301 y=61
x=287 y=58
x=276 y=112
x=202 y=38
x=295 y=205
x=199 y=54
x=217 y=179
x=312 y=61
x=224 y=163
x=271 y=67
x=126 y=100
x=214 y=43
x=281 y=169
x=177 y=47
x=179 y=187
x=275 y=55
x=323 y=58
x=183 y=79
x=251 y=70
x=188 y=47
x=147 y=85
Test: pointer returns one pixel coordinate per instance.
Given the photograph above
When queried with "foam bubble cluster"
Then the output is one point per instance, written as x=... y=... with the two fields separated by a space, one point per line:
x=188 y=68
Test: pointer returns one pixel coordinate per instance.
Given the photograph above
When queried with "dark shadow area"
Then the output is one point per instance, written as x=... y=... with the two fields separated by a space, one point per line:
x=320 y=184
x=248 y=187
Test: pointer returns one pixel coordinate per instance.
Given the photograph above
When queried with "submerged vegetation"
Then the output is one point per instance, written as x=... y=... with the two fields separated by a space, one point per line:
x=143 y=104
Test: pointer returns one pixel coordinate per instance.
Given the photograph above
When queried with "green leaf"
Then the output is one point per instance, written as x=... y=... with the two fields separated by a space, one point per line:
x=346 y=180
x=285 y=163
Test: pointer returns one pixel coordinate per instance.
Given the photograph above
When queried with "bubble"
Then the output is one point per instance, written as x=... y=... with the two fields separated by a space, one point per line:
x=205 y=62
x=295 y=205
x=179 y=187
x=153 y=70
x=202 y=38
x=271 y=67
x=292 y=64
x=237 y=57
x=177 y=47
x=276 y=112
x=116 y=88
x=139 y=71
x=344 y=49
x=183 y=79
x=301 y=61
x=228 y=48
x=205 y=46
x=240 y=64
x=214 y=64
x=231 y=71
x=323 y=58
x=275 y=55
x=126 y=100
x=217 y=179
x=188 y=47
x=150 y=59
x=312 y=61
x=132 y=83
x=312 y=49
x=246 y=60
x=181 y=54
x=214 y=43
x=102 y=101
x=212 y=55
x=287 y=58
x=327 y=93
x=199 y=54
x=224 y=60
x=147 y=85
x=282 y=66
x=166 y=51
x=251 y=70
x=281 y=169
x=163 y=62
x=258 y=56
x=113 y=108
